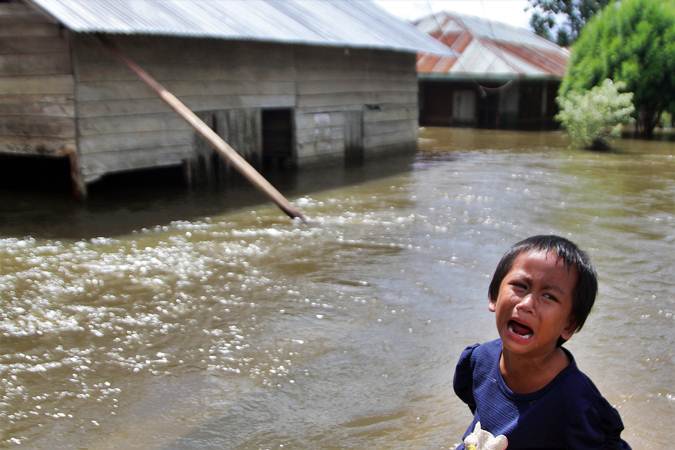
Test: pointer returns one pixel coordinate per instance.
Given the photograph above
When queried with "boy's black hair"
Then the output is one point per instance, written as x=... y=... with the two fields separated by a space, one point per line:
x=586 y=288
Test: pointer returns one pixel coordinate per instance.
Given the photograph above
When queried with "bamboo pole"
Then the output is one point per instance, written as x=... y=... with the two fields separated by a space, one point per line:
x=225 y=151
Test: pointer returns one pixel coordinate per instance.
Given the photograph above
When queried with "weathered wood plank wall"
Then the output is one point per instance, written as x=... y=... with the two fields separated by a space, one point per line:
x=37 y=109
x=50 y=104
x=240 y=128
x=334 y=82
x=124 y=126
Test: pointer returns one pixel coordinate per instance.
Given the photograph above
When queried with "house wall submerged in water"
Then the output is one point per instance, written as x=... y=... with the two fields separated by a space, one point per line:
x=500 y=77
x=489 y=103
x=278 y=103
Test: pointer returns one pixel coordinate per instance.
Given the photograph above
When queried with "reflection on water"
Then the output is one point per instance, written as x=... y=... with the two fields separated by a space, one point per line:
x=209 y=320
x=129 y=203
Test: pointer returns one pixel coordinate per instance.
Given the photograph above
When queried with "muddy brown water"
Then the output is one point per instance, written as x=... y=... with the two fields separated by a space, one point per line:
x=167 y=320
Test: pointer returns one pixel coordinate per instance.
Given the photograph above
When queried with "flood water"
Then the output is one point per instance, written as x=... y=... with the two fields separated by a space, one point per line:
x=168 y=320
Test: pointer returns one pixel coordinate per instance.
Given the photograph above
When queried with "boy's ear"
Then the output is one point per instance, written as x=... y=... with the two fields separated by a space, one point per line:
x=491 y=305
x=569 y=329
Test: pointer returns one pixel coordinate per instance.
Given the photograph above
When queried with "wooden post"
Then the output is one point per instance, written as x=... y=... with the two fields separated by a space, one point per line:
x=227 y=152
x=78 y=185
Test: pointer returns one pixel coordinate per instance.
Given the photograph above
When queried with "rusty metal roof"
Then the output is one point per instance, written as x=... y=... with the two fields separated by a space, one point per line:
x=332 y=23
x=488 y=49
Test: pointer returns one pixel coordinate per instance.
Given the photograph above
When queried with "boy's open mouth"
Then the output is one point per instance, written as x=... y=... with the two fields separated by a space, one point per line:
x=520 y=329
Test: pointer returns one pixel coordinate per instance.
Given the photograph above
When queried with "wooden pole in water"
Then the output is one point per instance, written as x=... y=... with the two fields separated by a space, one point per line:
x=78 y=185
x=225 y=151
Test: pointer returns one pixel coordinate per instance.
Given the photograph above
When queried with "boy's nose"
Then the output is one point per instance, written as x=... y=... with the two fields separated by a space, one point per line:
x=526 y=303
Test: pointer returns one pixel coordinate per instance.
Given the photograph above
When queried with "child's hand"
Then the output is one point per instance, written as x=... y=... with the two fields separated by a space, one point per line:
x=484 y=440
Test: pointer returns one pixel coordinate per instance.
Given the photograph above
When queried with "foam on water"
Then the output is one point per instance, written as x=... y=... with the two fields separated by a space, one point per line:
x=87 y=311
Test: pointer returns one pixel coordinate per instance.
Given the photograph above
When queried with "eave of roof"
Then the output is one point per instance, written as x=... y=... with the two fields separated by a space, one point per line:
x=463 y=76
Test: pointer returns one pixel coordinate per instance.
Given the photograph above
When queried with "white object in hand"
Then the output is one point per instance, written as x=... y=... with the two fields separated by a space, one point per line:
x=484 y=440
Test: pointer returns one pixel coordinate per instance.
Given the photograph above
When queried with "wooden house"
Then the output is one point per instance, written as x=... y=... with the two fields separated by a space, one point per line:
x=285 y=83
x=500 y=77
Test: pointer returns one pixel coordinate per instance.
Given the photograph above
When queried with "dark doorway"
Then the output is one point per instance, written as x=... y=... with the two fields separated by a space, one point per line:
x=435 y=103
x=488 y=110
x=277 y=139
x=530 y=109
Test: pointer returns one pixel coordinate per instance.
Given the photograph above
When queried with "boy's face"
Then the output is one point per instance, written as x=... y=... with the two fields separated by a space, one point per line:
x=534 y=305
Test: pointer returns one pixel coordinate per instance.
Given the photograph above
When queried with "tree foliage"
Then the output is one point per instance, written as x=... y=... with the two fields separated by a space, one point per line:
x=592 y=117
x=565 y=17
x=632 y=41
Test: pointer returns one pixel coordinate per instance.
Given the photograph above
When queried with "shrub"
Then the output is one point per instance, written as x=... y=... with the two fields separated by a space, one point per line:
x=592 y=117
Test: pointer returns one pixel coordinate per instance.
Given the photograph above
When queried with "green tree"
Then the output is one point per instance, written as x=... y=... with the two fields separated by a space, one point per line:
x=632 y=41
x=565 y=17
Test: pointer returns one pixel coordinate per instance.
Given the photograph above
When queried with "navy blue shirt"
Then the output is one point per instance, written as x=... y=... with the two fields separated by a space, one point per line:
x=568 y=413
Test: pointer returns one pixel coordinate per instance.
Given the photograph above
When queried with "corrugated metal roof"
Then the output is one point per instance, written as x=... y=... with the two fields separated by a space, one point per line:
x=488 y=49
x=335 y=23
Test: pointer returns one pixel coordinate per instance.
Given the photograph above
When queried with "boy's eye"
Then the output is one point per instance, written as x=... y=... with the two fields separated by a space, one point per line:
x=550 y=297
x=518 y=285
